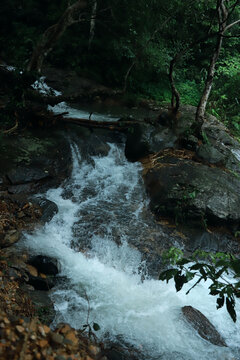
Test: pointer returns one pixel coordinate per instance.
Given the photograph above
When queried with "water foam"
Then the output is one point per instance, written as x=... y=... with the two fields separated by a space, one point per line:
x=106 y=203
x=79 y=114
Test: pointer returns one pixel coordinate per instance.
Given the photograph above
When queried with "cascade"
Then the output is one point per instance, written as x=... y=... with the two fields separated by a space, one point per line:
x=100 y=209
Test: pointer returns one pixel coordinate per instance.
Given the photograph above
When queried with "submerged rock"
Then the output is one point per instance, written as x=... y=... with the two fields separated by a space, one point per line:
x=203 y=326
x=44 y=264
x=40 y=283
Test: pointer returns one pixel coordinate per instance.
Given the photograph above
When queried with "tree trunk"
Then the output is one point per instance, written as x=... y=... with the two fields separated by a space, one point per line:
x=175 y=94
x=223 y=16
x=53 y=33
x=92 y=23
x=201 y=109
x=127 y=75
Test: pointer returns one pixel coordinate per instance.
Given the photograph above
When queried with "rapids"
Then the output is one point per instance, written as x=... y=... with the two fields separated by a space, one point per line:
x=100 y=208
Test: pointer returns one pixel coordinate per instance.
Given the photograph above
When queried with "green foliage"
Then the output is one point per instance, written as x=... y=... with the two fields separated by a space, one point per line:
x=148 y=33
x=203 y=266
x=190 y=92
x=90 y=328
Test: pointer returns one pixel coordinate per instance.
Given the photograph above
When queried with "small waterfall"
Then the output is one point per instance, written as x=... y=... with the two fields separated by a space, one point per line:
x=100 y=210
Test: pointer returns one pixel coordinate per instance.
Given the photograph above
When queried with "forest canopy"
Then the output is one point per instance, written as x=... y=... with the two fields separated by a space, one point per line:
x=130 y=45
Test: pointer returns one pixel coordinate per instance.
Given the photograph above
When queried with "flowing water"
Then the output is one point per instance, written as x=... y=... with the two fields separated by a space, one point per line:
x=101 y=208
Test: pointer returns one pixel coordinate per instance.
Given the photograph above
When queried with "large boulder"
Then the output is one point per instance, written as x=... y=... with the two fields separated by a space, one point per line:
x=187 y=190
x=162 y=132
x=147 y=138
x=219 y=147
x=34 y=161
x=203 y=326
x=44 y=264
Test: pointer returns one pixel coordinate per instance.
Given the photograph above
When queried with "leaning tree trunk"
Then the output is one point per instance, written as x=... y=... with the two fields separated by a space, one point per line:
x=53 y=33
x=92 y=23
x=201 y=109
x=175 y=101
x=223 y=16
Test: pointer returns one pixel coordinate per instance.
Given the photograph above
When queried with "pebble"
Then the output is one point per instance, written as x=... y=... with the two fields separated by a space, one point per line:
x=21 y=214
x=42 y=343
x=20 y=328
x=46 y=329
x=72 y=337
x=94 y=350
x=57 y=338
x=32 y=270
x=41 y=330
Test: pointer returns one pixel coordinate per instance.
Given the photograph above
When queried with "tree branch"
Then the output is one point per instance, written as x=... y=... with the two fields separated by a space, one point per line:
x=50 y=37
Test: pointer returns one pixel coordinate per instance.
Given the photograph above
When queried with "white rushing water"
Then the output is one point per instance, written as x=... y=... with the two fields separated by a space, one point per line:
x=79 y=114
x=101 y=202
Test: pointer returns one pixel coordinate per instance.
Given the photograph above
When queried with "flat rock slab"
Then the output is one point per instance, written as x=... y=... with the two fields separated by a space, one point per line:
x=203 y=326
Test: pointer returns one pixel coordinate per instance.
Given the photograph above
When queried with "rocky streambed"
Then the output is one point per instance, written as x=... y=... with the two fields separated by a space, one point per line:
x=193 y=191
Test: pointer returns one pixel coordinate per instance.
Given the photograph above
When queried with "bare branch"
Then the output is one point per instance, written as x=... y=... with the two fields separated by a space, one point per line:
x=50 y=37
x=231 y=25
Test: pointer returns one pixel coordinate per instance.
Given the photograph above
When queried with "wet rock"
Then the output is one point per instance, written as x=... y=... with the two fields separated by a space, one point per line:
x=32 y=270
x=123 y=353
x=183 y=189
x=210 y=154
x=136 y=148
x=44 y=264
x=96 y=146
x=21 y=188
x=22 y=175
x=203 y=326
x=145 y=138
x=220 y=146
x=70 y=83
x=115 y=355
x=11 y=237
x=40 y=283
x=211 y=242
x=34 y=161
x=57 y=338
x=49 y=209
x=43 y=305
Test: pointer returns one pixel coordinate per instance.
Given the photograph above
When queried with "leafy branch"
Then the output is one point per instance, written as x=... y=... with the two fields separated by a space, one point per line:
x=203 y=266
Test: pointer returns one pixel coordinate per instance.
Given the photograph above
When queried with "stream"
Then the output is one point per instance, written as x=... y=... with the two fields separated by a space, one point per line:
x=102 y=210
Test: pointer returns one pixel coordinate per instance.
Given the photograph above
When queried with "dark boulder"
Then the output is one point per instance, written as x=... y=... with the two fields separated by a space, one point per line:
x=203 y=326
x=34 y=161
x=219 y=147
x=44 y=264
x=23 y=174
x=187 y=190
x=49 y=209
x=147 y=138
x=42 y=303
x=136 y=146
x=93 y=145
x=210 y=154
x=39 y=283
